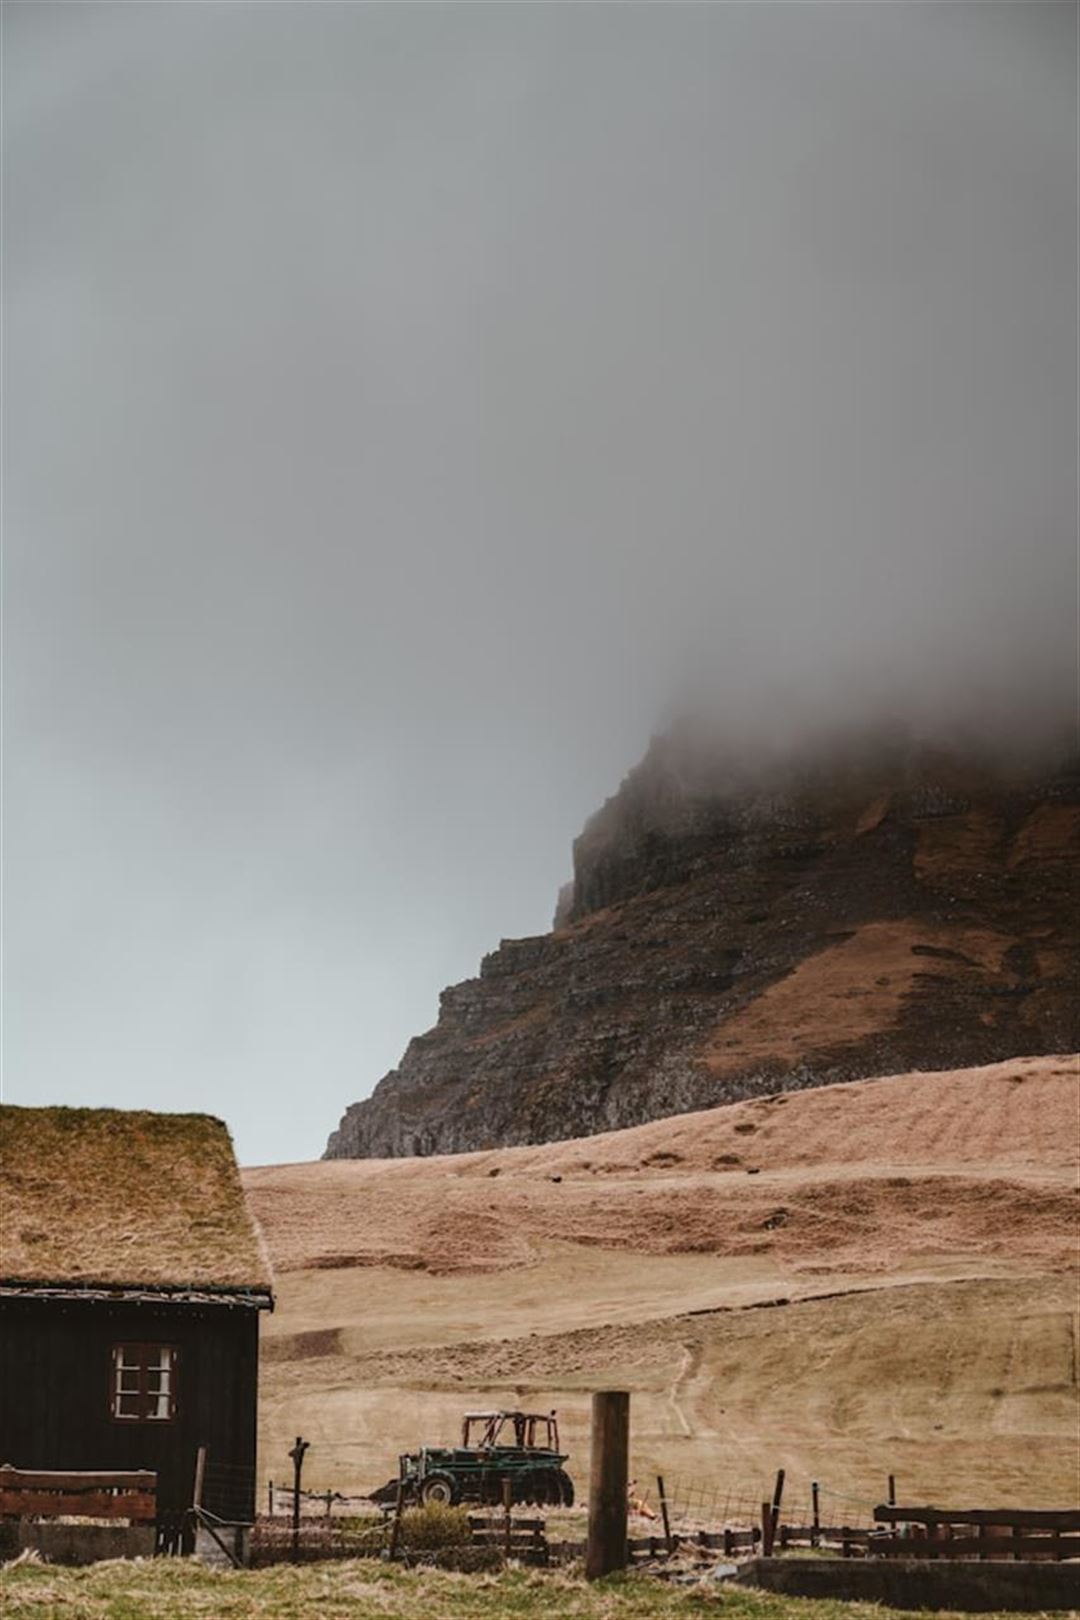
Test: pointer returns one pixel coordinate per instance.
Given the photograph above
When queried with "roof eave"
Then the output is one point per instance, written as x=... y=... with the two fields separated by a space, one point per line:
x=250 y=1297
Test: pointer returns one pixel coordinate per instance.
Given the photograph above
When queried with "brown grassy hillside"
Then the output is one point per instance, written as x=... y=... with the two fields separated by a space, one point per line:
x=917 y=1231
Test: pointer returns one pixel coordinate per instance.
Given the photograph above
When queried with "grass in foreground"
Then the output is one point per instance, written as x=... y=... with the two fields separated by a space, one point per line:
x=174 y=1589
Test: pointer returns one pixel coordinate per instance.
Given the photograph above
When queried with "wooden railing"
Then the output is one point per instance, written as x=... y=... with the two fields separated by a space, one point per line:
x=852 y=1541
x=984 y=1533
x=727 y=1541
x=525 y=1539
x=27 y=1493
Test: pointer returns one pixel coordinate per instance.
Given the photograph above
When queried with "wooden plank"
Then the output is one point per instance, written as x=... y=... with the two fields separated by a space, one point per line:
x=726 y=1538
x=477 y=1523
x=1050 y=1546
x=48 y=1479
x=1027 y=1518
x=493 y=1533
x=836 y=1531
x=77 y=1504
x=825 y=1532
x=498 y=1534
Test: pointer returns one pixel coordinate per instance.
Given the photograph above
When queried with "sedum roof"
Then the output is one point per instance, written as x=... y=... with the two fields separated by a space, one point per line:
x=124 y=1199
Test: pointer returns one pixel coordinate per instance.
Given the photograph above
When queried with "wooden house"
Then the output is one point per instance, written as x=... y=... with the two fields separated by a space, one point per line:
x=132 y=1279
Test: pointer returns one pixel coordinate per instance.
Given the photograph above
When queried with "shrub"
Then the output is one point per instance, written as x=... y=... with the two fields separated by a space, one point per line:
x=436 y=1525
x=423 y=1529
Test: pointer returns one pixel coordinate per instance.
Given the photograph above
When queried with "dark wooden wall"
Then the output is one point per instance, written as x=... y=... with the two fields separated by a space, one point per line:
x=55 y=1370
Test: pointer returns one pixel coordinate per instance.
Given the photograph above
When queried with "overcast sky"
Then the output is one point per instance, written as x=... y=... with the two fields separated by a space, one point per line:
x=407 y=408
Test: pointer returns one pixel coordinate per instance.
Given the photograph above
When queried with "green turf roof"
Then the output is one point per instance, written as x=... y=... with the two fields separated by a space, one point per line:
x=128 y=1199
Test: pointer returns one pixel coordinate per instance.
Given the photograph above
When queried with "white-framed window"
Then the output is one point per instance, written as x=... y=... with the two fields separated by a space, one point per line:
x=143 y=1386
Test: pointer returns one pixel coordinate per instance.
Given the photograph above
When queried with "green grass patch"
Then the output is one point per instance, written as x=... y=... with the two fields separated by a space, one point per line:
x=179 y=1589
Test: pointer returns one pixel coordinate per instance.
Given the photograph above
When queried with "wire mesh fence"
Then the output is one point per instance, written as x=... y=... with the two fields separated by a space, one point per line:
x=695 y=1503
x=738 y=1514
x=698 y=1502
x=228 y=1491
x=744 y=1515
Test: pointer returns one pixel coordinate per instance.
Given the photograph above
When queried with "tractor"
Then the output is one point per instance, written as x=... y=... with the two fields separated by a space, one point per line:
x=519 y=1447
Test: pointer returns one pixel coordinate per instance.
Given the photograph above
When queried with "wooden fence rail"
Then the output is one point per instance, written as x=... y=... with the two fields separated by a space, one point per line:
x=1053 y=1547
x=643 y=1549
x=32 y=1493
x=852 y=1540
x=1025 y=1518
x=983 y=1533
x=524 y=1539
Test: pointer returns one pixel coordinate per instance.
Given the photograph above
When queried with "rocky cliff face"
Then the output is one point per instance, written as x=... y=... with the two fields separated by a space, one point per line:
x=736 y=930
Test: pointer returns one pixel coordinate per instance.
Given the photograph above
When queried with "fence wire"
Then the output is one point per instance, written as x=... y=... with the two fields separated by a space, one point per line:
x=228 y=1491
x=279 y=1500
x=695 y=1503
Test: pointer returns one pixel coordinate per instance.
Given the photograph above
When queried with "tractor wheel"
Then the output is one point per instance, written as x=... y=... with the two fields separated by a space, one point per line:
x=566 y=1487
x=438 y=1488
x=548 y=1489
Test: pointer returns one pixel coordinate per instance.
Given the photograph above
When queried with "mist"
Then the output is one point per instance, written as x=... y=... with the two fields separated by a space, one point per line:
x=408 y=410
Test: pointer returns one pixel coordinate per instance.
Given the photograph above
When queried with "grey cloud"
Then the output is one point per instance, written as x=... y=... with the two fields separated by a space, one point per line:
x=408 y=408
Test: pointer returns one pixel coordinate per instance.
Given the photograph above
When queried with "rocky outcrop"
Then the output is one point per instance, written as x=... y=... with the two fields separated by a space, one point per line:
x=737 y=929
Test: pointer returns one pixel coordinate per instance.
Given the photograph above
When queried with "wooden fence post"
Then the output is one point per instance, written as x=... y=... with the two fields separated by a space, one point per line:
x=664 y=1512
x=395 y=1529
x=270 y=1498
x=508 y=1519
x=766 y=1529
x=892 y=1490
x=200 y=1477
x=297 y=1455
x=606 y=1549
x=815 y=1522
x=778 y=1492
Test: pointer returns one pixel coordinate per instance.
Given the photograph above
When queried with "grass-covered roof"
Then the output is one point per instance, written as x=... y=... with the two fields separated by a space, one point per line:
x=129 y=1199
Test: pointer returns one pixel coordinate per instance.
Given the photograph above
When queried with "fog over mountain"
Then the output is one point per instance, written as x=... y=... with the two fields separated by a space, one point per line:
x=408 y=410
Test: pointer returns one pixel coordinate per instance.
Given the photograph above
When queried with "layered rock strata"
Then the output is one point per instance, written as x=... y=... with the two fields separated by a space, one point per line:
x=733 y=931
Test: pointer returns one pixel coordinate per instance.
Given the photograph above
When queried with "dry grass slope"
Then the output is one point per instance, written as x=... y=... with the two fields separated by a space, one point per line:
x=915 y=1238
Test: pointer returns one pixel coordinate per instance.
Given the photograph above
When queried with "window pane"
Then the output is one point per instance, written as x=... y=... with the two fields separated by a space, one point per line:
x=142 y=1382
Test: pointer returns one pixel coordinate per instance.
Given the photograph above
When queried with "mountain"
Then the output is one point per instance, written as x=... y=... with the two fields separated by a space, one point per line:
x=740 y=926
